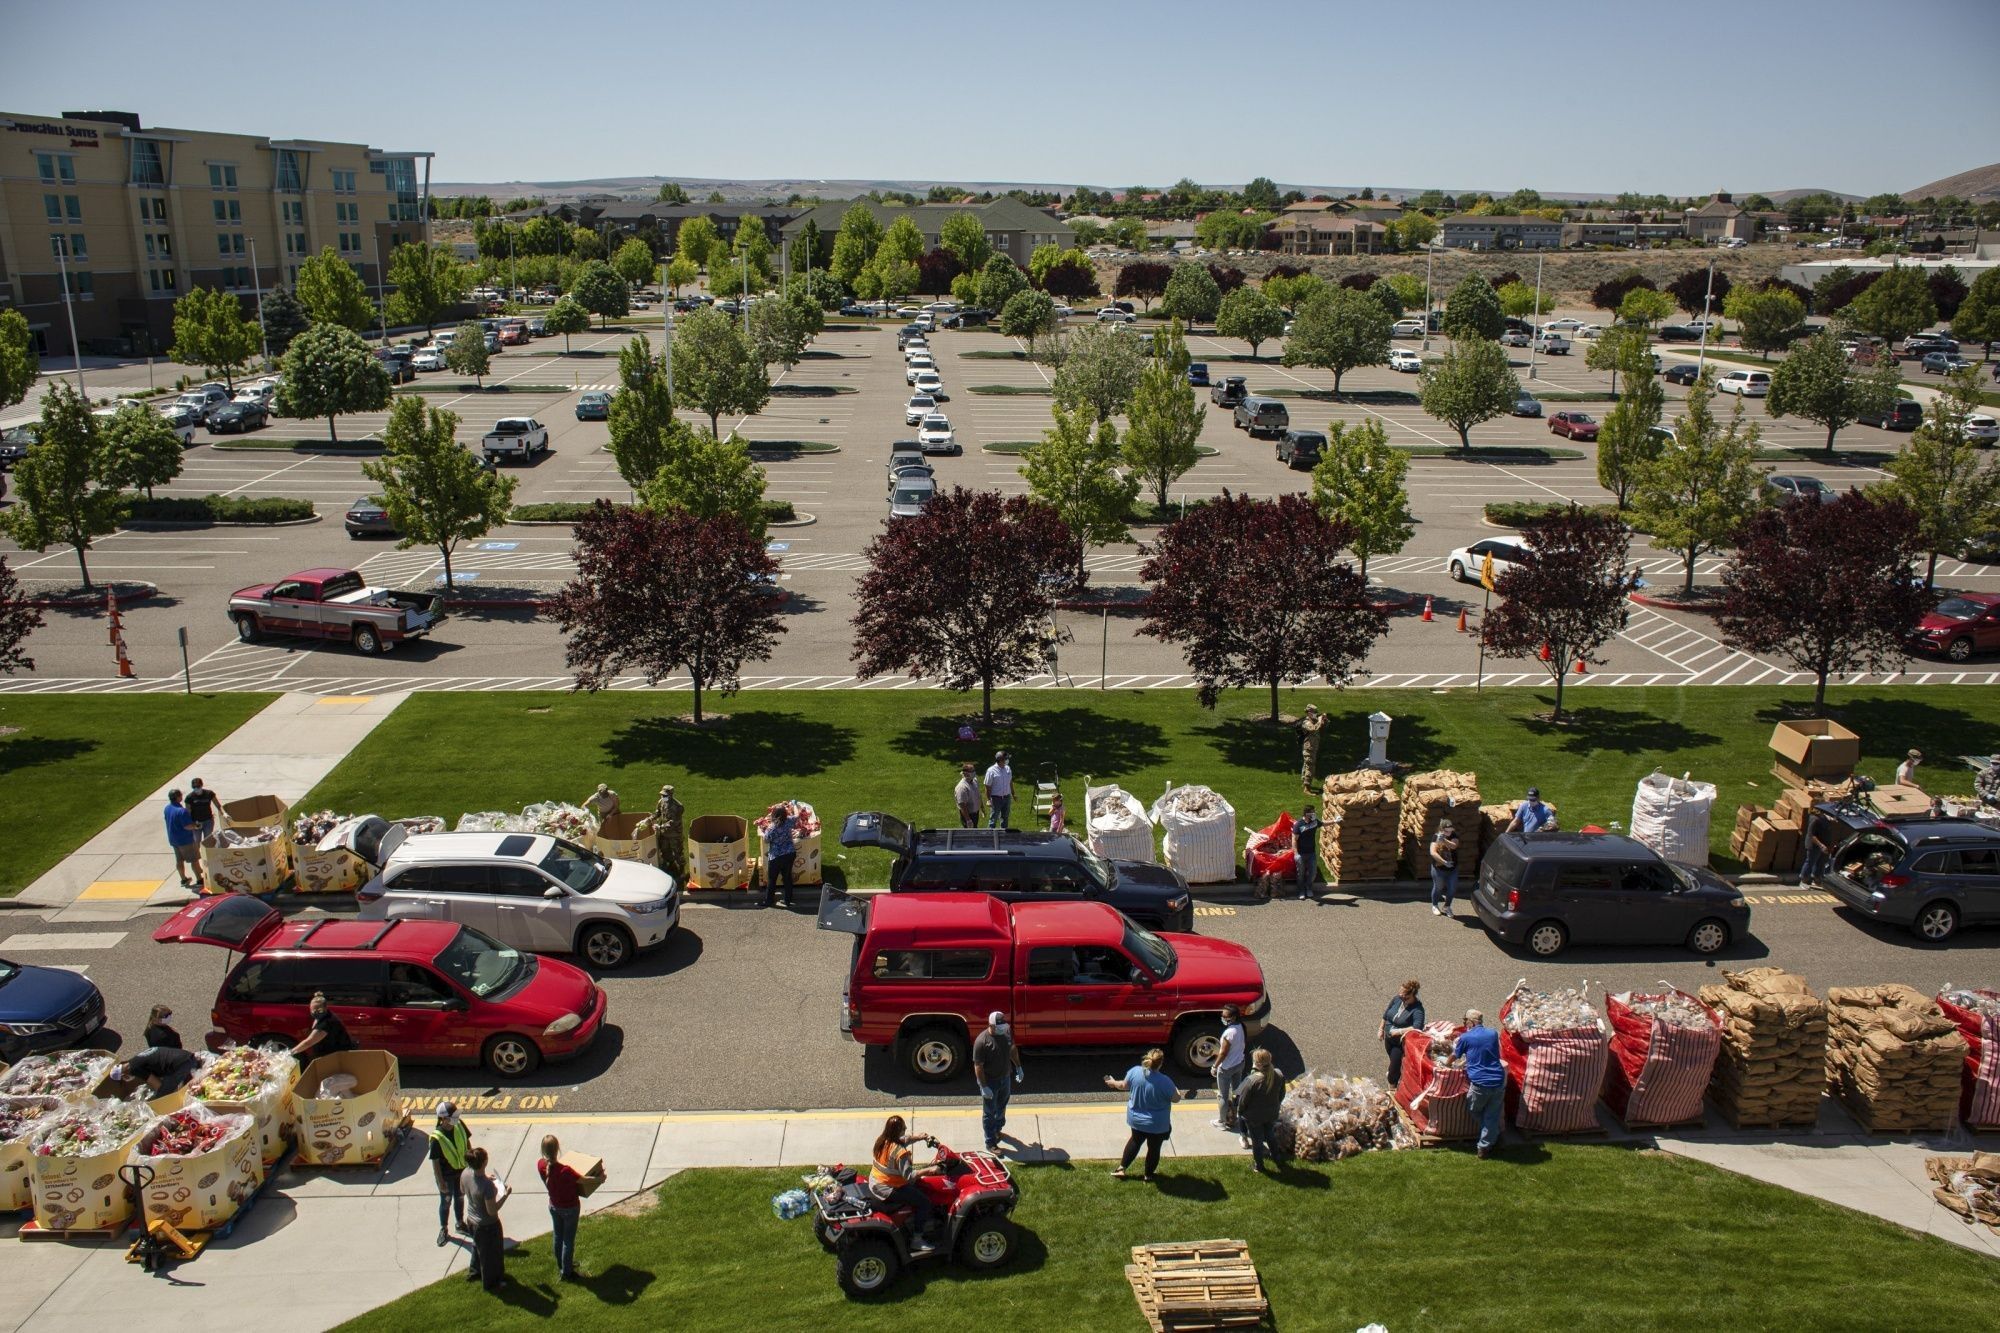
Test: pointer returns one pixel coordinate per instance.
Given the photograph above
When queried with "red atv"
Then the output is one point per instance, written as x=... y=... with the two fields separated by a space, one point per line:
x=872 y=1241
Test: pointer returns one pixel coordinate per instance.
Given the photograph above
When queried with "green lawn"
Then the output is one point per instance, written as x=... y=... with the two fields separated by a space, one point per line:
x=78 y=762
x=897 y=750
x=1540 y=1238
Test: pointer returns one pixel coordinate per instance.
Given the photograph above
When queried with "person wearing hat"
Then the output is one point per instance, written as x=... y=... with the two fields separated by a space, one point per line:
x=602 y=803
x=1444 y=868
x=161 y=1068
x=996 y=1064
x=450 y=1141
x=968 y=796
x=1531 y=816
x=1906 y=772
x=1000 y=791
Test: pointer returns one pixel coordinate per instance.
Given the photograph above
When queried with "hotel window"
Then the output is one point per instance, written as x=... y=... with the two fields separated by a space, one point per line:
x=81 y=286
x=221 y=176
x=159 y=246
x=343 y=182
x=147 y=168
x=52 y=205
x=162 y=279
x=153 y=209
x=56 y=167
x=294 y=211
x=78 y=248
x=72 y=208
x=349 y=213
x=291 y=178
x=228 y=211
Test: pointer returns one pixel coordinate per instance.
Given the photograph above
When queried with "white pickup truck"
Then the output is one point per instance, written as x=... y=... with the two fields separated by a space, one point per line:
x=520 y=438
x=1551 y=344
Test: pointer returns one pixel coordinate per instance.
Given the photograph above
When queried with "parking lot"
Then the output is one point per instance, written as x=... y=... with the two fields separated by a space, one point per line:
x=849 y=393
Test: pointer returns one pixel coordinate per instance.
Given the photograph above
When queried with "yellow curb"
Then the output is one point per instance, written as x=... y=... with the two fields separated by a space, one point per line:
x=120 y=890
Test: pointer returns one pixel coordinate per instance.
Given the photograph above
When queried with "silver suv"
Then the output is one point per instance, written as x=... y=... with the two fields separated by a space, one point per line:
x=527 y=890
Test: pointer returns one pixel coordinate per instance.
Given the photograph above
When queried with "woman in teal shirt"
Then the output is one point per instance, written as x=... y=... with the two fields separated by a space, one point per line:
x=1149 y=1110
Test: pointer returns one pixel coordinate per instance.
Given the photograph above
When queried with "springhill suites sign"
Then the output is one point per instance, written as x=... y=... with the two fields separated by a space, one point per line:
x=77 y=136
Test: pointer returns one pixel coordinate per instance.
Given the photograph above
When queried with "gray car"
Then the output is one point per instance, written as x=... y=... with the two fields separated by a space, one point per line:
x=1929 y=876
x=909 y=497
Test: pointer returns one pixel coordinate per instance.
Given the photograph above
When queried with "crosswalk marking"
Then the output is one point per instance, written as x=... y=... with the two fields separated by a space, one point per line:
x=57 y=942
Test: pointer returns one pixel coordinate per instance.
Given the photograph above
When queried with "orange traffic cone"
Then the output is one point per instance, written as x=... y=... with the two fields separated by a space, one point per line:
x=1580 y=668
x=1427 y=609
x=125 y=671
x=1544 y=654
x=1461 y=621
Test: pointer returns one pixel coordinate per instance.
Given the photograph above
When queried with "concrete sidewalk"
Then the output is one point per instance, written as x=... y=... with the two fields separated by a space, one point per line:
x=283 y=751
x=324 y=1246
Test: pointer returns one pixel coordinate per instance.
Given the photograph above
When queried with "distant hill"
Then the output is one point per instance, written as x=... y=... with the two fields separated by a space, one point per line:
x=1979 y=183
x=1783 y=197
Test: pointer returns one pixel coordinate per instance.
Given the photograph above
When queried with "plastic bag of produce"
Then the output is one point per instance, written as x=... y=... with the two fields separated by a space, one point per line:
x=490 y=821
x=20 y=1117
x=1199 y=833
x=1670 y=815
x=1325 y=1117
x=1116 y=824
x=1269 y=851
x=560 y=819
x=1433 y=1088
x=1977 y=1014
x=256 y=1081
x=205 y=1166
x=1663 y=1050
x=70 y=1075
x=77 y=1153
x=1554 y=1046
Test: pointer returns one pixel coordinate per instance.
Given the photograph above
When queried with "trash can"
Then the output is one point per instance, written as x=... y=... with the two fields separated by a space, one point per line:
x=719 y=852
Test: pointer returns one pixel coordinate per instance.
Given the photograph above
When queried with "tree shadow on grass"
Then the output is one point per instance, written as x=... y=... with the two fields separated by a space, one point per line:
x=1589 y=730
x=1075 y=740
x=20 y=751
x=748 y=745
x=1254 y=743
x=1891 y=725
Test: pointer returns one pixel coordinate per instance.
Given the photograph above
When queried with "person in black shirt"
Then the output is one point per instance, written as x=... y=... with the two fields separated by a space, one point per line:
x=164 y=1068
x=328 y=1035
x=158 y=1032
x=202 y=805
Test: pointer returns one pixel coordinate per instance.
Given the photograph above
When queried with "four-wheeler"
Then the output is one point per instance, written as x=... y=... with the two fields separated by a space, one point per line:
x=871 y=1241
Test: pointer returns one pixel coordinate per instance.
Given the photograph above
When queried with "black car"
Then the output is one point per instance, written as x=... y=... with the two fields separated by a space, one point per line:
x=367 y=517
x=238 y=417
x=15 y=440
x=1903 y=414
x=398 y=366
x=45 y=1009
x=852 y=308
x=1301 y=448
x=1679 y=333
x=1197 y=374
x=1549 y=890
x=1016 y=865
x=1930 y=876
x=1681 y=372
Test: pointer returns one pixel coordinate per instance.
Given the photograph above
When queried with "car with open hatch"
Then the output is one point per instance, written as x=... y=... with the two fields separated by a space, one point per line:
x=1930 y=876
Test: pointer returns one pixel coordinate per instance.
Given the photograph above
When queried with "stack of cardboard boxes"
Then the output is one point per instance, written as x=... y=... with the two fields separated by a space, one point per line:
x=1360 y=830
x=1815 y=759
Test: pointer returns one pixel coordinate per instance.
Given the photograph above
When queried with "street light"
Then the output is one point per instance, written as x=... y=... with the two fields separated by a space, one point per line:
x=1707 y=297
x=62 y=263
x=1428 y=252
x=257 y=286
x=1534 y=337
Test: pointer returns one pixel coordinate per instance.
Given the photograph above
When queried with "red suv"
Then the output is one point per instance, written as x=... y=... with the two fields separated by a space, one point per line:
x=430 y=992
x=1963 y=624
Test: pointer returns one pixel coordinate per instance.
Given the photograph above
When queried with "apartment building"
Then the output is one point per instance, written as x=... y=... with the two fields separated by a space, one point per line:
x=133 y=217
x=1014 y=228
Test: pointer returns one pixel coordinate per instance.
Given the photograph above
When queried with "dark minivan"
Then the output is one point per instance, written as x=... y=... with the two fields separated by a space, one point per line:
x=1549 y=890
x=1930 y=876
x=1301 y=448
x=1020 y=866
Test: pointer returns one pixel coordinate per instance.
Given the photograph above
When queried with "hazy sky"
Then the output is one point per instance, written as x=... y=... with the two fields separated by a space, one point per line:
x=1772 y=94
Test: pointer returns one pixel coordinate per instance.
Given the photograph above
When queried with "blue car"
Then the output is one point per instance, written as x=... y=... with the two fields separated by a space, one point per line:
x=45 y=1009
x=1197 y=374
x=594 y=406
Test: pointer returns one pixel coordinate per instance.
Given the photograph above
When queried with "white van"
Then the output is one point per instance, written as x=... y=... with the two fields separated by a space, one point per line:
x=1745 y=383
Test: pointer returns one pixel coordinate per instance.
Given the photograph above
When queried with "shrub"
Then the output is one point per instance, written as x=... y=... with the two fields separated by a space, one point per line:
x=551 y=511
x=218 y=509
x=779 y=511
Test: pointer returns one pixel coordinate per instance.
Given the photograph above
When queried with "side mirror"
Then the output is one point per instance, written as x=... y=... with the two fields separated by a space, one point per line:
x=552 y=892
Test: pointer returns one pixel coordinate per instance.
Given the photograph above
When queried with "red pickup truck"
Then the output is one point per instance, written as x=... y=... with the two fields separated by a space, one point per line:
x=929 y=967
x=333 y=604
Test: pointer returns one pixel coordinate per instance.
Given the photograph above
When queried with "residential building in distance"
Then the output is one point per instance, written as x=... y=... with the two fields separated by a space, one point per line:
x=1013 y=227
x=1321 y=233
x=1466 y=232
x=619 y=219
x=137 y=216
x=1720 y=219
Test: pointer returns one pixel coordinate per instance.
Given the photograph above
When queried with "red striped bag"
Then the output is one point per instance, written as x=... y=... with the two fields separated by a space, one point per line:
x=1979 y=1100
x=1553 y=1077
x=1659 y=1070
x=1433 y=1094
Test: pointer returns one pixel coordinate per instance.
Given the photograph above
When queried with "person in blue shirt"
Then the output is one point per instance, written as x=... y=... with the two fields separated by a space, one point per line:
x=1149 y=1110
x=1479 y=1047
x=1532 y=816
x=182 y=838
x=780 y=850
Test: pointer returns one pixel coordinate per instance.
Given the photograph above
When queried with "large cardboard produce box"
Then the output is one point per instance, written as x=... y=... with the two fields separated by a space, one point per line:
x=18 y=1118
x=84 y=1193
x=254 y=812
x=1814 y=748
x=719 y=852
x=358 y=1126
x=335 y=870
x=132 y=1089
x=628 y=836
x=260 y=867
x=202 y=1191
x=271 y=1107
x=806 y=863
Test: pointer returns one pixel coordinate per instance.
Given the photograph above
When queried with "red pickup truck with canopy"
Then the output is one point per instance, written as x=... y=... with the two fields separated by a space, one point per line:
x=333 y=604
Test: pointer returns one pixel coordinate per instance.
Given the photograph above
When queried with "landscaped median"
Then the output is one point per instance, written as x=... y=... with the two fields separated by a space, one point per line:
x=571 y=511
x=1546 y=1236
x=199 y=511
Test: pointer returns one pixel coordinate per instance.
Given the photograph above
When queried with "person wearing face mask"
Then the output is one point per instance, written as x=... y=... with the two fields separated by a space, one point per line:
x=450 y=1142
x=159 y=1029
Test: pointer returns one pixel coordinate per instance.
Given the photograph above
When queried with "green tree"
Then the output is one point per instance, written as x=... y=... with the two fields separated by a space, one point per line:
x=1337 y=330
x=210 y=332
x=671 y=192
x=329 y=370
x=1293 y=290
x=1074 y=470
x=435 y=491
x=1471 y=384
x=1978 y=317
x=1226 y=229
x=19 y=366
x=709 y=477
x=1896 y=305
x=855 y=243
x=1000 y=282
x=753 y=251
x=1473 y=310
x=1163 y=424
x=1519 y=298
x=64 y=492
x=284 y=319
x=1261 y=193
x=1191 y=294
x=1028 y=315
x=886 y=276
x=1700 y=488
x=681 y=272
x=1817 y=383
x=1361 y=480
x=333 y=293
x=634 y=262
x=602 y=292
x=1100 y=372
x=781 y=329
x=715 y=368
x=566 y=317
x=141 y=450
x=645 y=433
x=1250 y=315
x=1408 y=287
x=1622 y=349
x=1626 y=441
x=1951 y=485
x=1170 y=348
x=964 y=235
x=1766 y=321
x=1384 y=294
x=965 y=289
x=427 y=281
x=1645 y=307
x=467 y=354
x=698 y=242
x=1414 y=231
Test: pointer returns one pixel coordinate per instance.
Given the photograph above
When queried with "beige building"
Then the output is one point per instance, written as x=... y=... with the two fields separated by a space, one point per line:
x=138 y=216
x=1720 y=219
x=1324 y=234
x=1013 y=228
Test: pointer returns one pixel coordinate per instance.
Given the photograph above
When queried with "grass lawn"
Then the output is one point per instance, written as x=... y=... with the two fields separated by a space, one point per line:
x=1541 y=1238
x=77 y=763
x=897 y=750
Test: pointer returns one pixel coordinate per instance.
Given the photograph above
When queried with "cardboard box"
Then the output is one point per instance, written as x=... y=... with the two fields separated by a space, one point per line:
x=274 y=1112
x=1816 y=748
x=83 y=1193
x=336 y=870
x=202 y=1192
x=355 y=1129
x=17 y=1181
x=718 y=852
x=253 y=812
x=127 y=1089
x=258 y=868
x=1898 y=800
x=628 y=836
x=586 y=1166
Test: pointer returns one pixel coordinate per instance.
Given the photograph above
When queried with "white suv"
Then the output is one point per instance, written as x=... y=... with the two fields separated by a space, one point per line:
x=526 y=890
x=1746 y=383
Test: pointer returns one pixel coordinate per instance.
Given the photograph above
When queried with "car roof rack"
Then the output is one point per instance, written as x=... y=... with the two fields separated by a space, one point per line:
x=304 y=941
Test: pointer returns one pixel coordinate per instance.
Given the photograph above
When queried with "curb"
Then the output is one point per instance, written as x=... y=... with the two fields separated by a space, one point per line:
x=539 y=523
x=1666 y=604
x=168 y=524
x=802 y=521
x=494 y=604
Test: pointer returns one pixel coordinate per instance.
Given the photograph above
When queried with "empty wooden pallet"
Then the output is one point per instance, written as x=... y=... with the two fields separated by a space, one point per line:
x=1197 y=1285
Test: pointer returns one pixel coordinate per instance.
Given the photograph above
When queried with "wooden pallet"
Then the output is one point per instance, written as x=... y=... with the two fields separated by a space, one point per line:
x=1655 y=1127
x=1426 y=1138
x=33 y=1230
x=1197 y=1285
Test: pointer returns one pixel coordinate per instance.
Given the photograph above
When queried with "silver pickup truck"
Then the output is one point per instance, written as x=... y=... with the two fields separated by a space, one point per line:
x=334 y=604
x=518 y=438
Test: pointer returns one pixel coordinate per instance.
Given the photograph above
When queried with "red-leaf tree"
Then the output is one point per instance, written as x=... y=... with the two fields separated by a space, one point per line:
x=1691 y=288
x=1145 y=280
x=1259 y=592
x=1567 y=598
x=17 y=621
x=1827 y=587
x=962 y=591
x=935 y=270
x=662 y=591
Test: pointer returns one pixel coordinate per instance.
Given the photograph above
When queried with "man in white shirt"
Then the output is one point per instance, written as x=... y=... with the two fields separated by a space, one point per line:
x=1229 y=1066
x=1000 y=791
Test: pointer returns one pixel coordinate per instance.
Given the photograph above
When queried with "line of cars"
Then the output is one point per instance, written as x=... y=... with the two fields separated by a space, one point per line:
x=912 y=480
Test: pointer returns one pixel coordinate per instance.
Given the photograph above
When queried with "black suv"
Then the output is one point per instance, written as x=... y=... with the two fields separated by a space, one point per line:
x=1928 y=875
x=1022 y=866
x=1301 y=448
x=1547 y=890
x=1903 y=414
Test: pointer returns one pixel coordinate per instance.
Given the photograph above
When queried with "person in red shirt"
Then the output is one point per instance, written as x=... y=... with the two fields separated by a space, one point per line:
x=565 y=1204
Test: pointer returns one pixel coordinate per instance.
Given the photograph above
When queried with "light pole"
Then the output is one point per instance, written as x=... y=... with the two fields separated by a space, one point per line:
x=1534 y=337
x=1707 y=297
x=381 y=301
x=1428 y=252
x=257 y=286
x=75 y=351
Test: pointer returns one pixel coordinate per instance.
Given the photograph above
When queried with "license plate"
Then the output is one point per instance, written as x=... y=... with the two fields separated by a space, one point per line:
x=93 y=1025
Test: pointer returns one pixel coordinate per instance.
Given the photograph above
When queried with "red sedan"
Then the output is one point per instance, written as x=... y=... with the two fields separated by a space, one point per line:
x=1574 y=425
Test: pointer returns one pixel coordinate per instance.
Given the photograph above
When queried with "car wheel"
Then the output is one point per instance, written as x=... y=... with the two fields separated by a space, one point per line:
x=366 y=641
x=987 y=1242
x=511 y=1056
x=1959 y=650
x=1458 y=571
x=1708 y=936
x=1548 y=938
x=606 y=946
x=937 y=1054
x=1936 y=922
x=246 y=628
x=865 y=1265
x=1197 y=1043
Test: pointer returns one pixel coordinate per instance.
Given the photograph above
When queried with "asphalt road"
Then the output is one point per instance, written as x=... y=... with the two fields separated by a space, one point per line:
x=740 y=1010
x=848 y=393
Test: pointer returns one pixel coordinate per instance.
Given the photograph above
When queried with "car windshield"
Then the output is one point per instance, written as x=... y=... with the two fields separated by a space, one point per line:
x=1156 y=954
x=1580 y=418
x=913 y=496
x=8 y=971
x=1957 y=608
x=580 y=869
x=481 y=964
x=1684 y=875
x=936 y=423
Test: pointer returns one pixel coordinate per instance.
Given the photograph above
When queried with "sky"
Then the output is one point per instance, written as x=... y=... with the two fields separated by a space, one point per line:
x=1456 y=94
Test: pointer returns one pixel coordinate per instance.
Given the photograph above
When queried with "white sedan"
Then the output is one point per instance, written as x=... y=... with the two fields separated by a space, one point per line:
x=1465 y=563
x=918 y=365
x=935 y=435
x=1564 y=325
x=1405 y=360
x=917 y=408
x=431 y=358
